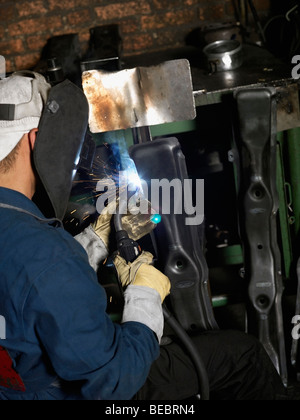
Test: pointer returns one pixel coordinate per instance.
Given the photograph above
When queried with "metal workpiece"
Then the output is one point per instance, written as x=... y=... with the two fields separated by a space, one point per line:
x=259 y=69
x=259 y=204
x=180 y=250
x=288 y=110
x=139 y=97
x=223 y=55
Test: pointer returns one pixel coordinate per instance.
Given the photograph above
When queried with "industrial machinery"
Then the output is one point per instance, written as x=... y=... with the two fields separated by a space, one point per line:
x=135 y=101
x=259 y=205
x=138 y=98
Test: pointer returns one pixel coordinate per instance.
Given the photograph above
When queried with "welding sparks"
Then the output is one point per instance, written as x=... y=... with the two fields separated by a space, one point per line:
x=112 y=178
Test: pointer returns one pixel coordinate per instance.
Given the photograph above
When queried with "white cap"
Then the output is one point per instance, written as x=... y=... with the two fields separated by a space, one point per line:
x=22 y=99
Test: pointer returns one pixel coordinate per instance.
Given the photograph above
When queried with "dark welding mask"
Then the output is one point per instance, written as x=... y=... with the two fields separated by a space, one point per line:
x=60 y=113
x=62 y=131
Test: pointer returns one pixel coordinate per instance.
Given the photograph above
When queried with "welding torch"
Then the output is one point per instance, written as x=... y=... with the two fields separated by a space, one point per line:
x=129 y=249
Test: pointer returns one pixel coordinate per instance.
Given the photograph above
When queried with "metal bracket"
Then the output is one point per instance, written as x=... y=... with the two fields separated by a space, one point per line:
x=288 y=108
x=258 y=219
x=180 y=251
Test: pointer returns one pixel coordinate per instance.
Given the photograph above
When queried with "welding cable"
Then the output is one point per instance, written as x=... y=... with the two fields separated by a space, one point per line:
x=120 y=212
x=193 y=352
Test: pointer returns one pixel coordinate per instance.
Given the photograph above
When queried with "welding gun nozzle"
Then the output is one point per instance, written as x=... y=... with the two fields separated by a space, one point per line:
x=128 y=248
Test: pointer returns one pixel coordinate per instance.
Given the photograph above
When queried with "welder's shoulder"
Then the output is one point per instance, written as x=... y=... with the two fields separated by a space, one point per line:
x=39 y=254
x=40 y=241
x=59 y=243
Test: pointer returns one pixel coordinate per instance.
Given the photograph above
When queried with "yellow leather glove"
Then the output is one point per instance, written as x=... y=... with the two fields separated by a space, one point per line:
x=142 y=273
x=136 y=225
x=102 y=226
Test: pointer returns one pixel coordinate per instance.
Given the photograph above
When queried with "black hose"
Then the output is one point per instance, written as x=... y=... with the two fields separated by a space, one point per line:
x=193 y=351
x=121 y=210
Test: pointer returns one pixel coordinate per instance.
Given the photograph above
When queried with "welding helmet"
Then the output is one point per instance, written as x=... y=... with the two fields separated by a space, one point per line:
x=61 y=115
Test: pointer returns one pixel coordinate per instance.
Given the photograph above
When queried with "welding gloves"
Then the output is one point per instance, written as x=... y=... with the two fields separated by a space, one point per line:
x=95 y=238
x=146 y=289
x=102 y=226
x=142 y=273
x=94 y=246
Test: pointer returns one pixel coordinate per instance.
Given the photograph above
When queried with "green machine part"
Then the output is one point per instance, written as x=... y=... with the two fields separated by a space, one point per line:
x=285 y=217
x=293 y=149
x=288 y=180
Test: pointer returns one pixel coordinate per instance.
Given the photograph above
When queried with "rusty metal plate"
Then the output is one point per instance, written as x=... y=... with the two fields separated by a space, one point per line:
x=139 y=97
x=288 y=111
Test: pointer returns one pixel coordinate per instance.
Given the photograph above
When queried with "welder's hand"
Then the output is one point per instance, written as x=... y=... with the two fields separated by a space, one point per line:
x=140 y=224
x=142 y=273
x=102 y=226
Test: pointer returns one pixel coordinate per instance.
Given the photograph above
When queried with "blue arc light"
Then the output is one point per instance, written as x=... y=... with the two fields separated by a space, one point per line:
x=156 y=218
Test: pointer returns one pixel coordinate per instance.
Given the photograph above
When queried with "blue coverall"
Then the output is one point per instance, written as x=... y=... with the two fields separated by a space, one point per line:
x=62 y=342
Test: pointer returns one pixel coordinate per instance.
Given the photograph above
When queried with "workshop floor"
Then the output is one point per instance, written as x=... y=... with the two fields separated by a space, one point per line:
x=233 y=317
x=293 y=392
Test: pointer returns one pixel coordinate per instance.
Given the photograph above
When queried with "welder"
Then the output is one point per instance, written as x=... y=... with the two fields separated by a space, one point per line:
x=59 y=338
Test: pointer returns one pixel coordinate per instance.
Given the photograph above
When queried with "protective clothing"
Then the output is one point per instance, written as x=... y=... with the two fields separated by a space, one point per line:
x=57 y=329
x=94 y=246
x=60 y=113
x=58 y=145
x=102 y=226
x=135 y=223
x=142 y=273
x=22 y=100
x=95 y=238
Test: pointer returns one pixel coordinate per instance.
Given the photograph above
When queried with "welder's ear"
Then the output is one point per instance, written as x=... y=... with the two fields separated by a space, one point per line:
x=32 y=137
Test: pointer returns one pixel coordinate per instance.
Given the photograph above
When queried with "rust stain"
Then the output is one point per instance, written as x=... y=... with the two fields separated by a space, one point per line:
x=139 y=97
x=107 y=111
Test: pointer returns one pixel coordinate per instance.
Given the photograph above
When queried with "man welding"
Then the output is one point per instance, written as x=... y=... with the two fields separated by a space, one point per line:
x=60 y=343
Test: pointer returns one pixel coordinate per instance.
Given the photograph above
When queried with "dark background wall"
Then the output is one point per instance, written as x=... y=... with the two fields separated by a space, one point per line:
x=146 y=25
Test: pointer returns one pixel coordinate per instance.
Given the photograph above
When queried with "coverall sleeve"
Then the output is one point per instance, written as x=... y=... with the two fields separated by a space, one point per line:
x=66 y=309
